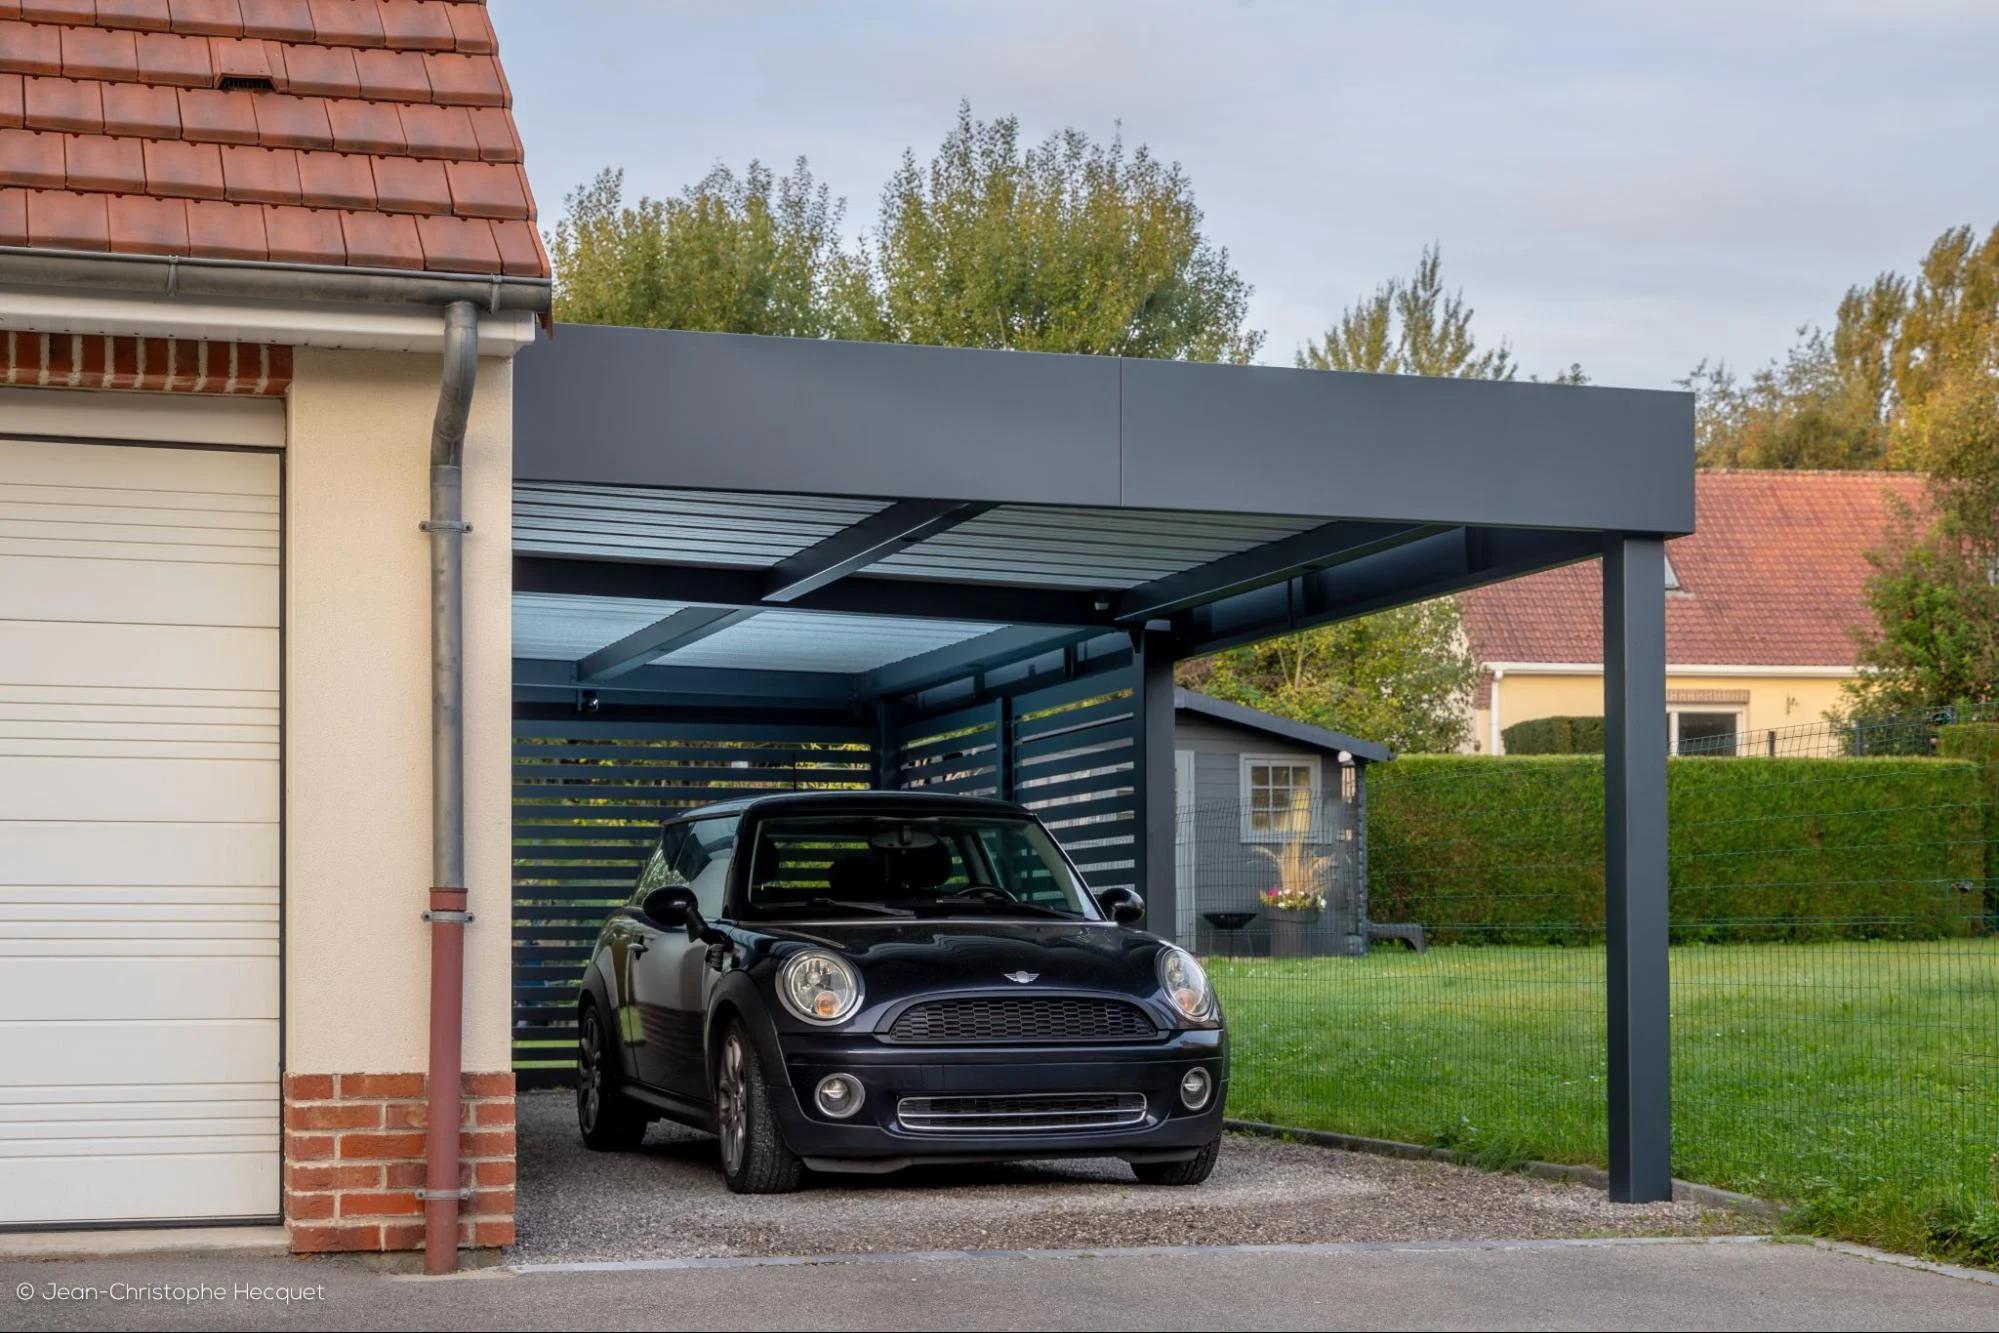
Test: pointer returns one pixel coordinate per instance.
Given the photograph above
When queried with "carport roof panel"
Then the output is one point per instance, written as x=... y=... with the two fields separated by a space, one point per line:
x=735 y=529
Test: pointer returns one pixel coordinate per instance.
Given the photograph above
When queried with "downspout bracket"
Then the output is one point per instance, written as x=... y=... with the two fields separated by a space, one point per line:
x=459 y=1194
x=443 y=525
x=448 y=918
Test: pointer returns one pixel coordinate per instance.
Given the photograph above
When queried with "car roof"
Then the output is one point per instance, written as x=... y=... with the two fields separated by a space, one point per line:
x=857 y=802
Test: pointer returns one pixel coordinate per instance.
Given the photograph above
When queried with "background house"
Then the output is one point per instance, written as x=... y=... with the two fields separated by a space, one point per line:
x=1247 y=783
x=1761 y=605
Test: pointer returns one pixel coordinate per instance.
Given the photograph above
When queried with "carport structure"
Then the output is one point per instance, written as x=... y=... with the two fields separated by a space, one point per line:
x=783 y=562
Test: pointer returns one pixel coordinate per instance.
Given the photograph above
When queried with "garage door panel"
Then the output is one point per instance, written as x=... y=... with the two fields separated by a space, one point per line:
x=91 y=856
x=141 y=587
x=118 y=791
x=139 y=842
x=157 y=1188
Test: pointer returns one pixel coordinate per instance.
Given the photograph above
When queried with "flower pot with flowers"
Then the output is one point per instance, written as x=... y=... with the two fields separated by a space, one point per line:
x=1299 y=894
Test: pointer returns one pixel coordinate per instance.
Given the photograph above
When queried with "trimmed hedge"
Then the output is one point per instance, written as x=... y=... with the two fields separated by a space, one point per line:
x=1509 y=850
x=1554 y=735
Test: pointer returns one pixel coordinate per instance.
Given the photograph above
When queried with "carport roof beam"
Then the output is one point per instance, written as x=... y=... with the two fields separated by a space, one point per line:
x=689 y=624
x=1320 y=548
x=859 y=545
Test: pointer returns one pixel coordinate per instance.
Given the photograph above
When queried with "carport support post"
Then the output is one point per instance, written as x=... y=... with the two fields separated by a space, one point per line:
x=1634 y=850
x=1152 y=774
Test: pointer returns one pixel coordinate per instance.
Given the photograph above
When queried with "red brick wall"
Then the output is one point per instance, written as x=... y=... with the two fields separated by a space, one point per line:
x=172 y=365
x=354 y=1161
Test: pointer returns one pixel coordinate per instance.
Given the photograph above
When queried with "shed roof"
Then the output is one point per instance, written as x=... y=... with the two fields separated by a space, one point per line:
x=361 y=133
x=1303 y=733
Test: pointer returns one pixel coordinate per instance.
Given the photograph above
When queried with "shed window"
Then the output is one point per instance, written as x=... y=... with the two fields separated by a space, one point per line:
x=1279 y=796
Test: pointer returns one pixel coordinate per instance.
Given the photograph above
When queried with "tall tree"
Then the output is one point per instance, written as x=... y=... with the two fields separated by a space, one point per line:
x=1403 y=677
x=1413 y=326
x=731 y=254
x=1065 y=246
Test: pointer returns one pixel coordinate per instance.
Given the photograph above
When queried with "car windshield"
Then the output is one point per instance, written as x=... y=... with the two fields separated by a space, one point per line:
x=896 y=866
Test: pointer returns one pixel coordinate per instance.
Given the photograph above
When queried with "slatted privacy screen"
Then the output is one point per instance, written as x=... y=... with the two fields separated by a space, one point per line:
x=588 y=801
x=1075 y=752
x=957 y=754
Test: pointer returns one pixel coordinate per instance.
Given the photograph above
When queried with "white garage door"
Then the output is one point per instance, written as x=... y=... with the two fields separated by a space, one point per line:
x=138 y=833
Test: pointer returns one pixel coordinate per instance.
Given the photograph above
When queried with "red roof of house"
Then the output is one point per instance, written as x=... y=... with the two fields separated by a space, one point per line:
x=373 y=133
x=1774 y=574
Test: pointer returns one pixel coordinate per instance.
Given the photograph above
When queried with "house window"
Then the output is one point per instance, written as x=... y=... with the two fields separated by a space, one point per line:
x=1704 y=731
x=1279 y=796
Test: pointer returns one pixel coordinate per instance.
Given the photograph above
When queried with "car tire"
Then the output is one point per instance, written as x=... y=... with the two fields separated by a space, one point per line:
x=755 y=1157
x=608 y=1120
x=1190 y=1172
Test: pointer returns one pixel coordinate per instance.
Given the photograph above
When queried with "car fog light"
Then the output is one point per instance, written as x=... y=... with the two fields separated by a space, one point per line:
x=840 y=1095
x=1195 y=1088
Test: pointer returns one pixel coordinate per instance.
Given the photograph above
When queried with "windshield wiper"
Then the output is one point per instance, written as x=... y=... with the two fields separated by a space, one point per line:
x=878 y=909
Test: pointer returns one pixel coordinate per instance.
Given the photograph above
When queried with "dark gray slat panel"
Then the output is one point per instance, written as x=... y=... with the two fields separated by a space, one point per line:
x=1095 y=782
x=542 y=872
x=972 y=716
x=651 y=775
x=640 y=755
x=722 y=780
x=685 y=732
x=557 y=962
x=1062 y=818
x=983 y=746
x=1108 y=713
x=1046 y=750
x=652 y=812
x=966 y=765
x=629 y=791
x=987 y=787
x=540 y=853
x=543 y=931
x=985 y=738
x=1070 y=691
x=530 y=1079
x=638 y=831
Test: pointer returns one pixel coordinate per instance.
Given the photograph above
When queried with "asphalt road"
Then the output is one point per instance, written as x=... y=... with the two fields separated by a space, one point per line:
x=1725 y=1284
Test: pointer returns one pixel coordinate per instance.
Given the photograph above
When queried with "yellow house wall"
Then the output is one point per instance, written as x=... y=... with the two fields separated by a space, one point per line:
x=357 y=720
x=1775 y=702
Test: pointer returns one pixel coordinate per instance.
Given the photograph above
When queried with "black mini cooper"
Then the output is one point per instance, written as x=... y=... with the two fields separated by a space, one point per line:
x=861 y=981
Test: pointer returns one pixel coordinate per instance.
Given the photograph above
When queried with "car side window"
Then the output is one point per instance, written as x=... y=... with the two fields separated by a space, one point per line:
x=702 y=861
x=658 y=872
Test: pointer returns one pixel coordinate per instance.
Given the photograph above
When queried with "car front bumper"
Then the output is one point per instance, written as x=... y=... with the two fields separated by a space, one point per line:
x=875 y=1139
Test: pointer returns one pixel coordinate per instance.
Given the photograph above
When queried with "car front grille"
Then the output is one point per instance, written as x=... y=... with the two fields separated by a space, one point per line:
x=1037 y=1114
x=1003 y=1019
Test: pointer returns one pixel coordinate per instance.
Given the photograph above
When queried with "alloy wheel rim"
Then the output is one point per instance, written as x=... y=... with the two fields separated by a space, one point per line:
x=590 y=1088
x=729 y=1108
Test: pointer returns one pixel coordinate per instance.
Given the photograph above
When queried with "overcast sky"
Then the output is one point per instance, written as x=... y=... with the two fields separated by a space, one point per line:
x=1630 y=186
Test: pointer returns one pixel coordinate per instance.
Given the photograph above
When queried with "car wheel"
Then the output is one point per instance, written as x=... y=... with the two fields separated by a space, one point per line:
x=1190 y=1172
x=609 y=1122
x=755 y=1157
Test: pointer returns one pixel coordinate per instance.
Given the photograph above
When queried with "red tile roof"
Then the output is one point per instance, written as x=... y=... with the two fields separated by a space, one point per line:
x=383 y=138
x=1773 y=575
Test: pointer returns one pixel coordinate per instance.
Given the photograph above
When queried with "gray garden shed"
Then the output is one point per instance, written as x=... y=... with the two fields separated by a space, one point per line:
x=744 y=564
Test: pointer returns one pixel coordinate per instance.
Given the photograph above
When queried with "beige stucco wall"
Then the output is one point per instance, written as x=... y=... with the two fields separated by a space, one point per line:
x=357 y=712
x=1775 y=702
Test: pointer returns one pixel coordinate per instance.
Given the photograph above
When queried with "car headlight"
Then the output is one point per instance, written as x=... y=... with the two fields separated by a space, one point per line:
x=1186 y=984
x=819 y=987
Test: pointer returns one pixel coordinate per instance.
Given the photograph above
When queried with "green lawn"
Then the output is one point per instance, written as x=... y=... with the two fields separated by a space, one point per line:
x=1859 y=1078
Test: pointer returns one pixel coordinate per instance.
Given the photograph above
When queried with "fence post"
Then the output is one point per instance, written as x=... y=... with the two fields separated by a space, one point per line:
x=1152 y=779
x=888 y=745
x=1634 y=846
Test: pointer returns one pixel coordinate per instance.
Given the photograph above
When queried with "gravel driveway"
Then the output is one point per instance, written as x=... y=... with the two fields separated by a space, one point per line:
x=667 y=1200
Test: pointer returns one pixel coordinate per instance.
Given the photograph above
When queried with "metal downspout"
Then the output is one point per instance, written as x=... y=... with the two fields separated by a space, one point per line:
x=447 y=915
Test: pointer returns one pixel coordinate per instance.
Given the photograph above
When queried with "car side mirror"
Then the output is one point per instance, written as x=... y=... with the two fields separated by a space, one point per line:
x=1122 y=905
x=673 y=908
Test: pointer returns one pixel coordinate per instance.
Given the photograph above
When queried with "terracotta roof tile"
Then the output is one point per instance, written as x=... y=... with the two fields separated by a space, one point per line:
x=417 y=25
x=396 y=76
x=65 y=220
x=65 y=104
x=183 y=170
x=31 y=157
x=100 y=162
x=225 y=230
x=365 y=127
x=13 y=217
x=168 y=57
x=347 y=22
x=458 y=245
x=141 y=224
x=464 y=80
x=30 y=48
x=217 y=116
x=381 y=240
x=150 y=14
x=99 y=53
x=325 y=70
x=336 y=180
x=304 y=235
x=384 y=139
x=141 y=109
x=292 y=122
x=487 y=190
x=222 y=18
x=285 y=20
x=438 y=131
x=411 y=185
x=1774 y=575
x=260 y=175
x=471 y=30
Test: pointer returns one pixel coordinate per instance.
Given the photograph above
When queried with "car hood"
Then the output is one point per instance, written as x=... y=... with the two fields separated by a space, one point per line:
x=905 y=956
